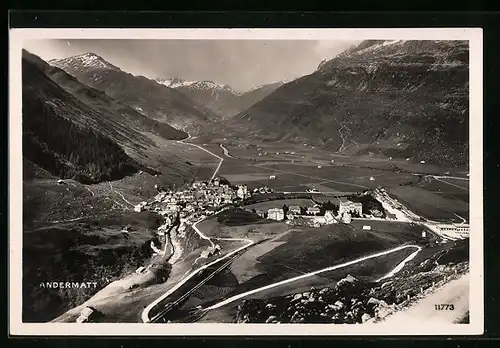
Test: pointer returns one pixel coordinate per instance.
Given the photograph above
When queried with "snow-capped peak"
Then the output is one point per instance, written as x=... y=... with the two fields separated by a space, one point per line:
x=210 y=85
x=87 y=60
x=176 y=82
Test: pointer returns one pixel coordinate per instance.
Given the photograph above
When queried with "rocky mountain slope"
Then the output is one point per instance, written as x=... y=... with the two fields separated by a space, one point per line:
x=147 y=97
x=58 y=142
x=221 y=99
x=51 y=92
x=112 y=108
x=212 y=95
x=397 y=98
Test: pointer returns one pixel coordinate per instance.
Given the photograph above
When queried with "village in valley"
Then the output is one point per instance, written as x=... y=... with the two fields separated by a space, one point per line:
x=329 y=196
x=202 y=199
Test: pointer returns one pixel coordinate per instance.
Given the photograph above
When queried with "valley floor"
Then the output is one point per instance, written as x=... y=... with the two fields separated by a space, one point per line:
x=127 y=306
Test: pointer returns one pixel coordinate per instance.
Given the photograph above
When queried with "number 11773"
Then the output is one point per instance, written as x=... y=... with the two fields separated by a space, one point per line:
x=444 y=307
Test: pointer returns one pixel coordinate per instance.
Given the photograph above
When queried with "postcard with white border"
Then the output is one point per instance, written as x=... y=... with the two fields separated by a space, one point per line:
x=202 y=182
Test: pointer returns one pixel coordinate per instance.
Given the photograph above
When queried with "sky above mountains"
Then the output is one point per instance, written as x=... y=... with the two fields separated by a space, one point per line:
x=242 y=64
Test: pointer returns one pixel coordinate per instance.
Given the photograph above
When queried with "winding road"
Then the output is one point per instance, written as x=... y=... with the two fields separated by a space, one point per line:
x=202 y=236
x=226 y=152
x=209 y=152
x=438 y=178
x=310 y=274
x=145 y=313
x=400 y=266
x=227 y=259
x=342 y=136
x=307 y=176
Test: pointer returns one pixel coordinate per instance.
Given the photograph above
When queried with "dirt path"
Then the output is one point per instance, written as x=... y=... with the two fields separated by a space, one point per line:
x=119 y=193
x=91 y=192
x=455 y=292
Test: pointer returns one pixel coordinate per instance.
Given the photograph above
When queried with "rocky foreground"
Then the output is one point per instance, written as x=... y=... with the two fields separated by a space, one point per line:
x=352 y=300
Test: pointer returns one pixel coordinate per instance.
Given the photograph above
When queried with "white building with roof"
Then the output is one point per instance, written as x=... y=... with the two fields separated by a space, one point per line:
x=242 y=191
x=461 y=230
x=330 y=217
x=172 y=207
x=140 y=207
x=346 y=218
x=312 y=210
x=276 y=214
x=294 y=209
x=159 y=197
x=347 y=206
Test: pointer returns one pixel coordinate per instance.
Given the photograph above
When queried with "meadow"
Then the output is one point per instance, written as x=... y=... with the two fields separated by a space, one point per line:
x=279 y=204
x=430 y=205
x=459 y=190
x=280 y=258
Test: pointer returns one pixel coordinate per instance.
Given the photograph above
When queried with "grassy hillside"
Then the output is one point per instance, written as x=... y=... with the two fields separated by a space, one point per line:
x=87 y=251
x=355 y=300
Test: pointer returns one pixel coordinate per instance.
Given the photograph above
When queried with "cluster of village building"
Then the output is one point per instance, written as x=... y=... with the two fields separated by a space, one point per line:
x=200 y=195
x=313 y=213
x=204 y=198
x=201 y=199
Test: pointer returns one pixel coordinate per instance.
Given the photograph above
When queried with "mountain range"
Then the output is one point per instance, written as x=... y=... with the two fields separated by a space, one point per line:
x=144 y=95
x=209 y=86
x=102 y=126
x=221 y=99
x=397 y=98
x=187 y=105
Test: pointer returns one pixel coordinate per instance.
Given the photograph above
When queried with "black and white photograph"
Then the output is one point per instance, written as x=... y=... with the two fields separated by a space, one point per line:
x=241 y=179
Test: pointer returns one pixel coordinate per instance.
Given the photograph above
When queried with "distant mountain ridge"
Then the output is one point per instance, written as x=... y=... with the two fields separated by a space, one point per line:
x=144 y=95
x=393 y=97
x=221 y=99
x=176 y=82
